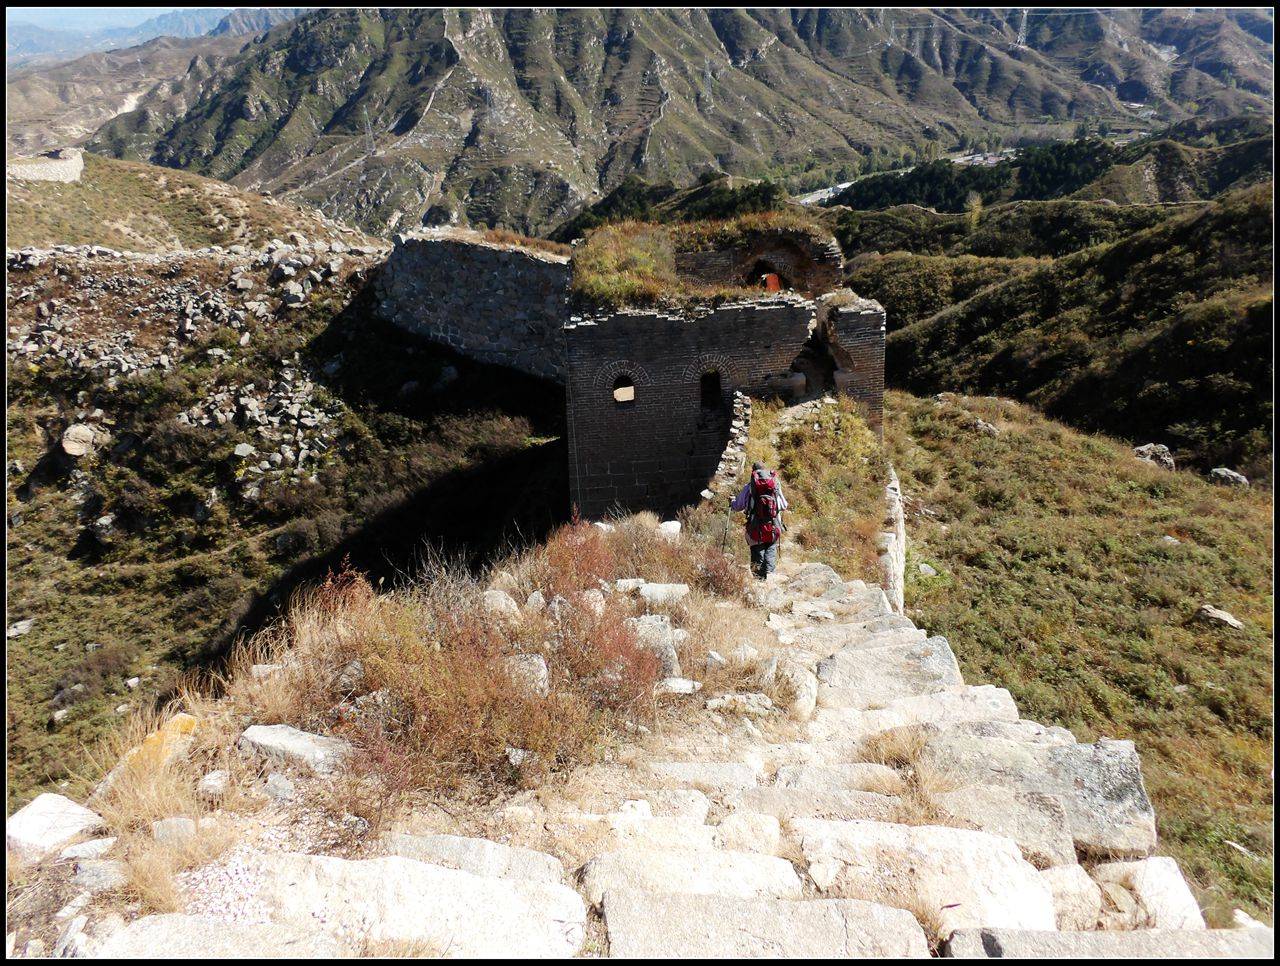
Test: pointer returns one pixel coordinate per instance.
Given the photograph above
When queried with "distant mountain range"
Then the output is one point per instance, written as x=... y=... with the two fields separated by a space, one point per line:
x=520 y=118
x=26 y=42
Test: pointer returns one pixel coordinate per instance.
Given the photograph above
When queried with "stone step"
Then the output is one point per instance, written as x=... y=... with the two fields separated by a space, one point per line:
x=719 y=873
x=1100 y=785
x=854 y=636
x=950 y=878
x=386 y=899
x=859 y=776
x=177 y=936
x=707 y=776
x=863 y=679
x=670 y=802
x=645 y=925
x=1036 y=822
x=789 y=803
x=845 y=726
x=478 y=856
x=1142 y=944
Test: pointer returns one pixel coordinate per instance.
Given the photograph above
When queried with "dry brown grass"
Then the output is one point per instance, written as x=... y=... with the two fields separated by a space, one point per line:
x=921 y=780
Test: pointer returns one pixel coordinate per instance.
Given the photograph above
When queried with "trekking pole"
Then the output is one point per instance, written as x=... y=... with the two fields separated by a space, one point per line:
x=724 y=539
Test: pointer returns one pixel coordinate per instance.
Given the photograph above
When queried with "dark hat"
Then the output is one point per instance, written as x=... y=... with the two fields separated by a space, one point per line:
x=757 y=466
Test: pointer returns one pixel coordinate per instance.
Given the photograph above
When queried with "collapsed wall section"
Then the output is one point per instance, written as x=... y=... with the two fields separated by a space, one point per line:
x=854 y=330
x=650 y=395
x=499 y=304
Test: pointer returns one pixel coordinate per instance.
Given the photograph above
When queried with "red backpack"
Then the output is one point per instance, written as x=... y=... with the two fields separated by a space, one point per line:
x=763 y=522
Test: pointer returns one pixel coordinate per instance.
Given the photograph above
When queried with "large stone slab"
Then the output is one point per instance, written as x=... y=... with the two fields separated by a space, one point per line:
x=450 y=912
x=477 y=856
x=873 y=678
x=1164 y=900
x=742 y=874
x=45 y=825
x=1100 y=785
x=950 y=878
x=1037 y=822
x=642 y=925
x=289 y=746
x=1142 y=944
x=176 y=936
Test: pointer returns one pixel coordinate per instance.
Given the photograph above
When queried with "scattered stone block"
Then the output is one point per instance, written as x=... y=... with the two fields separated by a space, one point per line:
x=99 y=875
x=707 y=776
x=1035 y=821
x=45 y=825
x=657 y=594
x=384 y=899
x=749 y=832
x=1213 y=615
x=1077 y=900
x=177 y=936
x=1100 y=785
x=1164 y=900
x=1142 y=944
x=176 y=832
x=289 y=746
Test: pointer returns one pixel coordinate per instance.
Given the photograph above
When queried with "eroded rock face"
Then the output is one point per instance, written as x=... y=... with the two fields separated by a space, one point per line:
x=643 y=925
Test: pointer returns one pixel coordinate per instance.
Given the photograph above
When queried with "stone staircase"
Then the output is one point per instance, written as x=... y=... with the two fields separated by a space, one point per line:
x=875 y=805
x=853 y=798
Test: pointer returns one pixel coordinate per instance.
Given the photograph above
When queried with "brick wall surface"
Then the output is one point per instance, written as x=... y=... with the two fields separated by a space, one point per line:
x=660 y=451
x=494 y=303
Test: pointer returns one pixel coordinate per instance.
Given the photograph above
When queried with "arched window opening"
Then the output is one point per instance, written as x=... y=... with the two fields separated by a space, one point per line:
x=710 y=391
x=624 y=391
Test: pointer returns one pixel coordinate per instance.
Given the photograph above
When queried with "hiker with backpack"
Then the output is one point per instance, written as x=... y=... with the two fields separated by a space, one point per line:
x=762 y=501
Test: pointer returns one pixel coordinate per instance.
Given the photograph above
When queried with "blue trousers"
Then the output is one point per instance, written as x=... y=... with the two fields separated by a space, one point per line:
x=764 y=559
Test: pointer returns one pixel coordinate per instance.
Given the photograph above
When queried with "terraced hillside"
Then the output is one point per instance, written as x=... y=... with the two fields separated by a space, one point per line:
x=521 y=118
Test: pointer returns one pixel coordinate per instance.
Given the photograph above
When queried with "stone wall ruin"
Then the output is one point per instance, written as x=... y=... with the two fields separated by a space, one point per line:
x=649 y=392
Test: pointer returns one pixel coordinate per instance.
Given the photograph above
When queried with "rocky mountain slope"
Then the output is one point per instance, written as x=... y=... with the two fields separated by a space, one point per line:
x=519 y=118
x=52 y=107
x=191 y=433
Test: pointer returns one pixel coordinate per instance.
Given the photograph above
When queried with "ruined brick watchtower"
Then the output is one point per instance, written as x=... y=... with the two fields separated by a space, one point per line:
x=650 y=367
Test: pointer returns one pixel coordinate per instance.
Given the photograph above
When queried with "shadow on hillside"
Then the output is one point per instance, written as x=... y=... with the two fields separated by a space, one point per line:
x=409 y=390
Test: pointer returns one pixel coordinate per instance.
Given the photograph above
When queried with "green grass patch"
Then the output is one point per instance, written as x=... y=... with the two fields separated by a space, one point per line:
x=1056 y=582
